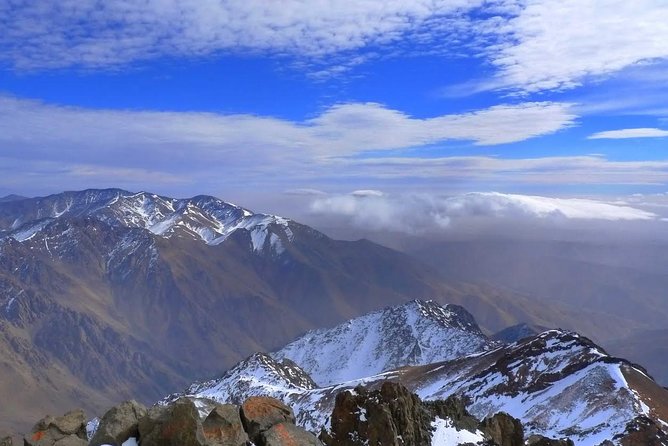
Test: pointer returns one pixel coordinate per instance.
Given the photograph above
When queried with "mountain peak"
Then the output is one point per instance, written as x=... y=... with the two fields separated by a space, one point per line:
x=415 y=333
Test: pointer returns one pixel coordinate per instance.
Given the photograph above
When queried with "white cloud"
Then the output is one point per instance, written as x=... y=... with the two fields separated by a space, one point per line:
x=419 y=213
x=535 y=45
x=630 y=133
x=557 y=44
x=92 y=33
x=51 y=131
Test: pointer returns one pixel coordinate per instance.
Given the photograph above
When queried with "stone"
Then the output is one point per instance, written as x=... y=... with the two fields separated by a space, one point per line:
x=287 y=434
x=118 y=424
x=259 y=414
x=177 y=424
x=71 y=440
x=503 y=429
x=50 y=429
x=223 y=427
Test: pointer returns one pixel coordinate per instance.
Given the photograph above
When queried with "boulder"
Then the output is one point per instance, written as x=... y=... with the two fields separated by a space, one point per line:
x=71 y=440
x=503 y=429
x=223 y=427
x=177 y=424
x=259 y=414
x=287 y=434
x=50 y=430
x=119 y=424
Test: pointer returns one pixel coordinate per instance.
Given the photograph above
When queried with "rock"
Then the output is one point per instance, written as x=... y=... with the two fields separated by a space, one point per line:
x=71 y=440
x=119 y=424
x=6 y=441
x=503 y=429
x=175 y=425
x=287 y=434
x=539 y=440
x=391 y=416
x=50 y=430
x=259 y=414
x=223 y=427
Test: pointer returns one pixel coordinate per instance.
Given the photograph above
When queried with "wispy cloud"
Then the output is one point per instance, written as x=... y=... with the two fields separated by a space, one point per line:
x=630 y=133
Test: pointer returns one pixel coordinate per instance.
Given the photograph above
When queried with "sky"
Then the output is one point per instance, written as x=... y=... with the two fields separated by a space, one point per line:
x=285 y=104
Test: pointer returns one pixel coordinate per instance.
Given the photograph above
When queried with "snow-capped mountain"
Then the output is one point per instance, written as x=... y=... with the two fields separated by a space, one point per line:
x=558 y=383
x=418 y=333
x=205 y=218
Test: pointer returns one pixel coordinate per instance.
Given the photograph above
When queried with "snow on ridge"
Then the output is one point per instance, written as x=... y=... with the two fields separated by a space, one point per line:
x=394 y=337
x=205 y=218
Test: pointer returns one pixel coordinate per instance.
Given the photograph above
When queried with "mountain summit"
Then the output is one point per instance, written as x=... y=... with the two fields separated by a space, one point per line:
x=417 y=333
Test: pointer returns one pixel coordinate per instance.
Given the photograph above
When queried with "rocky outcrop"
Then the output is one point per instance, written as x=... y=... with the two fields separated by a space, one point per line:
x=539 y=440
x=119 y=424
x=503 y=430
x=391 y=416
x=68 y=430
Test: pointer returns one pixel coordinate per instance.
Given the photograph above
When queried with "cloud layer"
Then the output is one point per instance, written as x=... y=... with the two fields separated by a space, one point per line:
x=357 y=144
x=419 y=213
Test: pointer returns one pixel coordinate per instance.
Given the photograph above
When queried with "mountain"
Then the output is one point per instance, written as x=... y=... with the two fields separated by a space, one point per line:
x=107 y=294
x=416 y=333
x=558 y=383
x=649 y=348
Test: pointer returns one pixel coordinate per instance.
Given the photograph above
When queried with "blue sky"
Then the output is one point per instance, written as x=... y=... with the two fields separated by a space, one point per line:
x=260 y=101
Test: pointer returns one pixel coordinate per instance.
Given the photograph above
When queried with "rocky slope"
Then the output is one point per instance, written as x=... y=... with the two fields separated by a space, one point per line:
x=558 y=383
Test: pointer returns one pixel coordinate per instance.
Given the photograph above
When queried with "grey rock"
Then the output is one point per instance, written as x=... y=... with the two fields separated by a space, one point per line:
x=119 y=424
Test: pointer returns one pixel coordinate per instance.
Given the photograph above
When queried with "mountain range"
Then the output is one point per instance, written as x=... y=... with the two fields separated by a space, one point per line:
x=108 y=294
